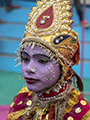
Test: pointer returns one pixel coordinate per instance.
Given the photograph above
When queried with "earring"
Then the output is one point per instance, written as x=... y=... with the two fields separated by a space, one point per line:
x=33 y=70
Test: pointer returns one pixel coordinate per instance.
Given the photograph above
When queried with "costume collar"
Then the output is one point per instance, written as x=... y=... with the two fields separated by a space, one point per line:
x=54 y=92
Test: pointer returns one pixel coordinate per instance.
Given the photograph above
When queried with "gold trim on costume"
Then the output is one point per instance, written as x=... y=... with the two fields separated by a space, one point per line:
x=16 y=115
x=25 y=89
x=86 y=116
x=39 y=113
x=12 y=104
x=72 y=101
x=19 y=103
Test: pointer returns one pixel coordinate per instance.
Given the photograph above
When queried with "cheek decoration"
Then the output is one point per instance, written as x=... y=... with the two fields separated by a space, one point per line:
x=50 y=75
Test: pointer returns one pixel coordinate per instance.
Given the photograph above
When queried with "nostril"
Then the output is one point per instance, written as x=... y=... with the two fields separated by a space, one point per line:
x=32 y=70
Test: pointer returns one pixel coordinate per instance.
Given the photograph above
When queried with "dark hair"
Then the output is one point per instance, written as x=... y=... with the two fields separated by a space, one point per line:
x=60 y=71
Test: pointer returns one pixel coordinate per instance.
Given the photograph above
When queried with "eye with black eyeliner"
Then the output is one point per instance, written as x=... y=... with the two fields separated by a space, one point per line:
x=43 y=60
x=24 y=57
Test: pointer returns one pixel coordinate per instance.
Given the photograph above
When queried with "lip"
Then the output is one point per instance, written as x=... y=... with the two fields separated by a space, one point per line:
x=31 y=80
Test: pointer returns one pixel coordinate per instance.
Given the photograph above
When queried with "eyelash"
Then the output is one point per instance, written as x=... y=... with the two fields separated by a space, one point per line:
x=43 y=60
x=25 y=59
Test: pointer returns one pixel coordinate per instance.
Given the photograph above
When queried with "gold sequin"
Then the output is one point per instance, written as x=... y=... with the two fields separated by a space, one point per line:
x=29 y=102
x=78 y=110
x=12 y=104
x=47 y=117
x=30 y=93
x=61 y=37
x=83 y=102
x=48 y=92
x=70 y=118
x=20 y=103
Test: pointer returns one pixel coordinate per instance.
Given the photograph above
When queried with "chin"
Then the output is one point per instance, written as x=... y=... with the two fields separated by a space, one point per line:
x=37 y=88
x=33 y=89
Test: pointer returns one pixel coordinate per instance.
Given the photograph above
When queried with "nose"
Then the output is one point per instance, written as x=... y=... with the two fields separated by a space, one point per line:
x=31 y=67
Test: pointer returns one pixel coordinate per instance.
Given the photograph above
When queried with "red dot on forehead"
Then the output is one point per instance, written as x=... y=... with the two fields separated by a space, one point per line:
x=48 y=21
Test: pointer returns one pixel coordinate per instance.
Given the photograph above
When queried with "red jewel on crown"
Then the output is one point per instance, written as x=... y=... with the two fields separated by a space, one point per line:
x=45 y=19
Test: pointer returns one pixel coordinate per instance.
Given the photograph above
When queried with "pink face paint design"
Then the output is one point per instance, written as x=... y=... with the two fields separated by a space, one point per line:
x=38 y=70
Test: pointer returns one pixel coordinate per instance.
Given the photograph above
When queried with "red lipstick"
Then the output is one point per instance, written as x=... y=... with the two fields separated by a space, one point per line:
x=31 y=80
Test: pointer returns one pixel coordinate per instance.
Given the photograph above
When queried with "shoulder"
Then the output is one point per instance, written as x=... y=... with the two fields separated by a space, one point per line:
x=21 y=100
x=80 y=108
x=20 y=103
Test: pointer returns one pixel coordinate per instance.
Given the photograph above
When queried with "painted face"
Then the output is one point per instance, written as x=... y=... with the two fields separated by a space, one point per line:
x=38 y=70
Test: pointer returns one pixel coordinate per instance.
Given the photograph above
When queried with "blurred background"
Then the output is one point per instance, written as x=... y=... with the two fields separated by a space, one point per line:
x=13 y=18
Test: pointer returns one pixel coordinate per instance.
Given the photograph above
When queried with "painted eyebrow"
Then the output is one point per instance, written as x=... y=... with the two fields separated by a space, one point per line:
x=23 y=52
x=41 y=55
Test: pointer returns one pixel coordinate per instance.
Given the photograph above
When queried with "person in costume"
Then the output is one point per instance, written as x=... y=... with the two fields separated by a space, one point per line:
x=47 y=53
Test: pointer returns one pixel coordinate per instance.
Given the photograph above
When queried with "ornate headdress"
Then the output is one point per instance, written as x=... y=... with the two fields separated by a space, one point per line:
x=49 y=26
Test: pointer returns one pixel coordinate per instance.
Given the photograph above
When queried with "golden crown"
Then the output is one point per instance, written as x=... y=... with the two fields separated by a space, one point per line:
x=49 y=25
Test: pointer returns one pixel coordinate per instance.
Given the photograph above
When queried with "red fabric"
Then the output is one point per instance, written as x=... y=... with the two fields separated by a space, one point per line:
x=48 y=12
x=21 y=97
x=51 y=111
x=84 y=110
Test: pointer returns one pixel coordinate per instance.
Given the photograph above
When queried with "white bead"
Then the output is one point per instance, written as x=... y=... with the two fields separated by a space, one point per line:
x=57 y=40
x=42 y=21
